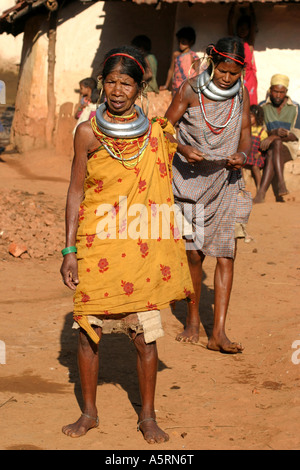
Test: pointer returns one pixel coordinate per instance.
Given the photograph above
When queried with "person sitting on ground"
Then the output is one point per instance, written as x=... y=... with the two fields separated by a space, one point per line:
x=182 y=60
x=86 y=87
x=256 y=160
x=282 y=119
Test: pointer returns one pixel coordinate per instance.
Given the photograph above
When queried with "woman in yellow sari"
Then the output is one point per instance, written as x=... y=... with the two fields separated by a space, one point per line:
x=124 y=258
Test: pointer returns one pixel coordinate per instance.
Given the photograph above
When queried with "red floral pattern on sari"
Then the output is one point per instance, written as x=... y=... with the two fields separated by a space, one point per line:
x=162 y=168
x=144 y=248
x=153 y=144
x=84 y=297
x=151 y=306
x=142 y=185
x=115 y=209
x=166 y=272
x=99 y=187
x=81 y=212
x=187 y=292
x=103 y=265
x=77 y=317
x=89 y=240
x=128 y=287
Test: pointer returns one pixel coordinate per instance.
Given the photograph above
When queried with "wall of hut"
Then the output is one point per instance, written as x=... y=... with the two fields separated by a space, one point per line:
x=86 y=32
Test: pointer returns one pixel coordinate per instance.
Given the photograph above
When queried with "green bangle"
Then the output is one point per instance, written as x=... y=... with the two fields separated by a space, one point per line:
x=69 y=249
x=245 y=157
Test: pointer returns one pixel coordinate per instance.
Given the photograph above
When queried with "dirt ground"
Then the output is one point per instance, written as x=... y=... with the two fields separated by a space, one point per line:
x=205 y=400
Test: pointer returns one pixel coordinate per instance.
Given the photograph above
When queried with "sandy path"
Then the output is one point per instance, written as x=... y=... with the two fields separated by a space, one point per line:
x=205 y=400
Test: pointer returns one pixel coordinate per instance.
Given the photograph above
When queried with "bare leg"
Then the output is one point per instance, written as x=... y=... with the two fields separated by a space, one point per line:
x=88 y=362
x=255 y=171
x=280 y=156
x=147 y=363
x=191 y=332
x=277 y=156
x=268 y=175
x=223 y=284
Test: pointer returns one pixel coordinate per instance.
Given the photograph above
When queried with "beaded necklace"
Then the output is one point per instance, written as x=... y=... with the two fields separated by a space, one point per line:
x=215 y=128
x=127 y=118
x=117 y=147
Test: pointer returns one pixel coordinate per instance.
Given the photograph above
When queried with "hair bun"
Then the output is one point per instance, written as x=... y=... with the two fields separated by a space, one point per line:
x=209 y=49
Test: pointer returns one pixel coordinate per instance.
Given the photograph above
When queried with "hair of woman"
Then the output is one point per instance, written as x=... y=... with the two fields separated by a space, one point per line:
x=227 y=49
x=132 y=63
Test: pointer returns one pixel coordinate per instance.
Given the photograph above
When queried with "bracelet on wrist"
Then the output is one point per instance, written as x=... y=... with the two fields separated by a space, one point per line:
x=69 y=249
x=245 y=157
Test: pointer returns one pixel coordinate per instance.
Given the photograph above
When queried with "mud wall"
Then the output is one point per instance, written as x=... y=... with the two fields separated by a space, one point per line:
x=86 y=32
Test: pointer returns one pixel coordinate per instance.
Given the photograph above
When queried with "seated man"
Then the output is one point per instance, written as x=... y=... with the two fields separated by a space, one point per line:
x=282 y=119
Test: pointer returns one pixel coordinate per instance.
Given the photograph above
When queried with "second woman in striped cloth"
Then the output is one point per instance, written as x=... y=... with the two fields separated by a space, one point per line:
x=214 y=140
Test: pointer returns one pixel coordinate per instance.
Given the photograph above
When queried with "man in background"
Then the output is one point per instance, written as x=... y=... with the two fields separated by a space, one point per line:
x=282 y=119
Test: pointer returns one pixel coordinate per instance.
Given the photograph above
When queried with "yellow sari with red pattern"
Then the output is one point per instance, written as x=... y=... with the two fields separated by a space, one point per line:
x=130 y=256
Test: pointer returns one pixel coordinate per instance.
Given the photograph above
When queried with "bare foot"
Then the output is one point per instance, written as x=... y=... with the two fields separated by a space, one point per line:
x=189 y=335
x=81 y=427
x=151 y=431
x=258 y=199
x=224 y=345
x=282 y=191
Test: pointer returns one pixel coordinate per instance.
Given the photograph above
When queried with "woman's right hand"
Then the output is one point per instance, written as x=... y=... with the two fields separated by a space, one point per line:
x=190 y=153
x=69 y=271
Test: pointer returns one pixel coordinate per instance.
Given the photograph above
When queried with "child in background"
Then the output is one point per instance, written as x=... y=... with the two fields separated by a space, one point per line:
x=246 y=29
x=182 y=59
x=143 y=43
x=86 y=87
x=256 y=160
x=89 y=111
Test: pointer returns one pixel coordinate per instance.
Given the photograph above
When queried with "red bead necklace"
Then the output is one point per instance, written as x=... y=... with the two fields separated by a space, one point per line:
x=221 y=128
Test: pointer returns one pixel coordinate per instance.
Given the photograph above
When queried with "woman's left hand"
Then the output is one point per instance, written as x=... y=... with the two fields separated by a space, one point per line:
x=236 y=161
x=69 y=271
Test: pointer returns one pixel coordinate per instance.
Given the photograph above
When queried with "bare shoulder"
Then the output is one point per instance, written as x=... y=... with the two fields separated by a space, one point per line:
x=190 y=92
x=184 y=98
x=84 y=129
x=85 y=137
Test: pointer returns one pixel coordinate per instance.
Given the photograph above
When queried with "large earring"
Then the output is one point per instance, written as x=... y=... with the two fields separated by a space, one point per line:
x=192 y=67
x=243 y=78
x=100 y=88
x=209 y=63
x=144 y=99
x=212 y=65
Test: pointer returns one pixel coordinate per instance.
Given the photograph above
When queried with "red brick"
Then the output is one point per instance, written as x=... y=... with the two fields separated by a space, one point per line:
x=16 y=249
